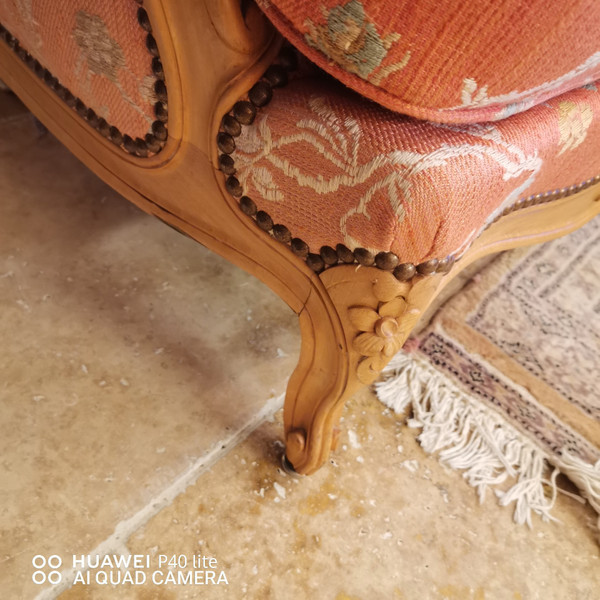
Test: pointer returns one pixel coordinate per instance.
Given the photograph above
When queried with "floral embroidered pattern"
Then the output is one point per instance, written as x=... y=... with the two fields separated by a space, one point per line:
x=472 y=94
x=349 y=39
x=103 y=54
x=97 y=50
x=574 y=120
x=313 y=145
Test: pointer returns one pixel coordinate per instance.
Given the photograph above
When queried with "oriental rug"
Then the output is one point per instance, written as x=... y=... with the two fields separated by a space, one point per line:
x=504 y=381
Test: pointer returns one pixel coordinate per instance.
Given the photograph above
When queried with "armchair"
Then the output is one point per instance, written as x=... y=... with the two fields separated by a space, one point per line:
x=350 y=205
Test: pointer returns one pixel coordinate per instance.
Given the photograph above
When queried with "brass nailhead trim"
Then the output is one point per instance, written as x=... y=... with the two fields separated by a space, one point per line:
x=244 y=113
x=225 y=143
x=248 y=206
x=160 y=90
x=69 y=99
x=231 y=126
x=161 y=111
x=263 y=220
x=138 y=147
x=299 y=247
x=80 y=108
x=235 y=189
x=276 y=75
x=405 y=271
x=151 y=45
x=143 y=20
x=364 y=257
x=282 y=234
x=91 y=117
x=154 y=144
x=115 y=136
x=546 y=197
x=260 y=94
x=445 y=264
x=157 y=68
x=329 y=255
x=141 y=149
x=104 y=128
x=315 y=262
x=226 y=164
x=428 y=267
x=344 y=254
x=387 y=261
x=129 y=144
x=159 y=130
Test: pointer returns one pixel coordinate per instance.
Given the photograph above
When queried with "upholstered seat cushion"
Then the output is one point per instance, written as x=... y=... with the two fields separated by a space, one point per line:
x=334 y=168
x=451 y=61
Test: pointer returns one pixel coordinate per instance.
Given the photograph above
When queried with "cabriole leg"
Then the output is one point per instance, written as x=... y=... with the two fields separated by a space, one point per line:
x=354 y=321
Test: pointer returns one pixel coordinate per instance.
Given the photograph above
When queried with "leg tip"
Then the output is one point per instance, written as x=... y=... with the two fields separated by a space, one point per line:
x=288 y=467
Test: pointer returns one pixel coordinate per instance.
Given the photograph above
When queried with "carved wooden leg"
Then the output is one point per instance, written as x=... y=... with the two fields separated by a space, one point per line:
x=354 y=321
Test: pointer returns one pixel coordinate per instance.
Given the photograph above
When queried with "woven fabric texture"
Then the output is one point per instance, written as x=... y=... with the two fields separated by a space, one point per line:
x=448 y=60
x=96 y=49
x=335 y=168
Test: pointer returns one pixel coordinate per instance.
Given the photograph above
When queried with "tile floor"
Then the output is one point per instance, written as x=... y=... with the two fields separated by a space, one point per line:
x=140 y=386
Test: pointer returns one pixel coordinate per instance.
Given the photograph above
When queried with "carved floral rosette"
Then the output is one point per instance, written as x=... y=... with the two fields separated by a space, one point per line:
x=382 y=331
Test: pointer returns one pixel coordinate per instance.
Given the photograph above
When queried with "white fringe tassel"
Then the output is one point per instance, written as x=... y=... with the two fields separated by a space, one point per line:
x=585 y=476
x=472 y=438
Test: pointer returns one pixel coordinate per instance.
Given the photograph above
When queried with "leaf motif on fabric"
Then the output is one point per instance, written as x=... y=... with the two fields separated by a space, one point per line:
x=574 y=121
x=146 y=89
x=348 y=38
x=472 y=94
x=266 y=186
x=102 y=53
x=256 y=140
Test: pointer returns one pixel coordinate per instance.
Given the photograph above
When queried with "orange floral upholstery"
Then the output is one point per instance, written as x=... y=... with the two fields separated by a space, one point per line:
x=335 y=168
x=448 y=60
x=96 y=49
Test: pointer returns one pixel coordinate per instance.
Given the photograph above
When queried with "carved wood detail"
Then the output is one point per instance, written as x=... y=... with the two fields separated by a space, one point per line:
x=383 y=330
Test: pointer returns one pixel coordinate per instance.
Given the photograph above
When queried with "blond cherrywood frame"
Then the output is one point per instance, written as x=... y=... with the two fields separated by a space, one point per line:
x=211 y=57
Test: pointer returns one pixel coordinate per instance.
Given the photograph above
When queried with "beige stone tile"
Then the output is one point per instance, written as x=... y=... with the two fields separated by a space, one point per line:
x=381 y=521
x=128 y=352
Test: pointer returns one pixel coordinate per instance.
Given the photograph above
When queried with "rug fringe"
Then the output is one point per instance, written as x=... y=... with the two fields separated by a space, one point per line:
x=476 y=440
x=585 y=476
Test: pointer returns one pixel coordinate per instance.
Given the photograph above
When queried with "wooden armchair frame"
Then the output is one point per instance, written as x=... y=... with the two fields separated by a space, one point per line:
x=212 y=52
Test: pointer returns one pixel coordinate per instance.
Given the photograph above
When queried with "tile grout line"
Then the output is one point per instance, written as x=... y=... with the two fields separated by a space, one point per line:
x=116 y=543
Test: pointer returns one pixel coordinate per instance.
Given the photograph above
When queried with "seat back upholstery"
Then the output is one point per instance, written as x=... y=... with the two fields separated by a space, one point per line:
x=97 y=51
